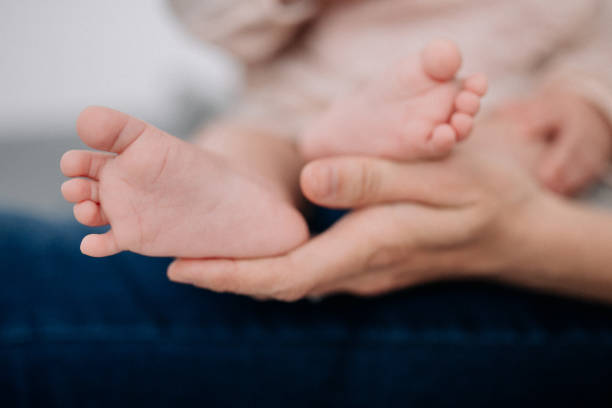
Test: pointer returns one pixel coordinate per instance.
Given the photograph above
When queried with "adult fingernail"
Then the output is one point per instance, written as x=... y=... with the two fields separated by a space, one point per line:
x=322 y=181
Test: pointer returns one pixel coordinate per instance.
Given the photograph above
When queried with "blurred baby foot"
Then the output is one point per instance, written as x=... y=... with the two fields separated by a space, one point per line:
x=418 y=109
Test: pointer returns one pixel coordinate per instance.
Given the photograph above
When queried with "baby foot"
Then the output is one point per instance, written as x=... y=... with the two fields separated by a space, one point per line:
x=417 y=110
x=165 y=197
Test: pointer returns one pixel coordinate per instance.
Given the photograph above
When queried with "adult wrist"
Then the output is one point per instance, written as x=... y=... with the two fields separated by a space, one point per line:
x=531 y=236
x=539 y=242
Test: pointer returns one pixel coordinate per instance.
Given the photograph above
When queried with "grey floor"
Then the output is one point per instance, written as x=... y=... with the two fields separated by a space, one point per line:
x=30 y=178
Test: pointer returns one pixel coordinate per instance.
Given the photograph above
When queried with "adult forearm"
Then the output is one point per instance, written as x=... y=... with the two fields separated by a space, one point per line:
x=565 y=248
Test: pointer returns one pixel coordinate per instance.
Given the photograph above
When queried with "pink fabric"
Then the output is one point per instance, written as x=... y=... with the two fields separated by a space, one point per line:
x=293 y=75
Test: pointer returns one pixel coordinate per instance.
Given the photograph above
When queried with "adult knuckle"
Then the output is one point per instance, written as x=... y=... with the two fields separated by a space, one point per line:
x=367 y=185
x=386 y=256
x=227 y=280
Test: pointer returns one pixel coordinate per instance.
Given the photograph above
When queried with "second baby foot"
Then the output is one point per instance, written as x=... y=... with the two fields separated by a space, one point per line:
x=417 y=110
x=165 y=197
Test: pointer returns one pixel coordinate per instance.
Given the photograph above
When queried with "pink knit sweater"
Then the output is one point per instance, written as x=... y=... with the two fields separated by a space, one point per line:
x=299 y=54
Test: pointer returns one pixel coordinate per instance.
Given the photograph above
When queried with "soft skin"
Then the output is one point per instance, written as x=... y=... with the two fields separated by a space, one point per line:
x=162 y=196
x=235 y=193
x=417 y=109
x=476 y=214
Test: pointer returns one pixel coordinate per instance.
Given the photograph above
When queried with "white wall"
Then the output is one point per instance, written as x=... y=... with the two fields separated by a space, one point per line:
x=57 y=57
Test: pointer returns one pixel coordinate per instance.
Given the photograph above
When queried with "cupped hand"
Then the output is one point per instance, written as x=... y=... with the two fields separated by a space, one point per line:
x=464 y=216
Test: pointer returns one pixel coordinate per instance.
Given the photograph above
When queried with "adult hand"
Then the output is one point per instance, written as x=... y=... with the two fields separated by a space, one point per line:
x=464 y=216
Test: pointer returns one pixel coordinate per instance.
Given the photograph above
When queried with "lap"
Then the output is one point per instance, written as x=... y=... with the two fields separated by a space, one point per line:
x=118 y=331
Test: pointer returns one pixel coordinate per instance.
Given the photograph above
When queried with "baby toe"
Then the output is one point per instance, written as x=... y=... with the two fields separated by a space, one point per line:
x=462 y=123
x=90 y=214
x=477 y=83
x=467 y=102
x=77 y=190
x=100 y=245
x=83 y=163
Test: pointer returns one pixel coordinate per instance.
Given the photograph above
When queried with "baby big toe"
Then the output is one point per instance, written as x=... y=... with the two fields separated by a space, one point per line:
x=441 y=60
x=109 y=130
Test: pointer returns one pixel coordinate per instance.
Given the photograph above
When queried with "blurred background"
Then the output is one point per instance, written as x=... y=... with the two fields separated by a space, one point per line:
x=58 y=57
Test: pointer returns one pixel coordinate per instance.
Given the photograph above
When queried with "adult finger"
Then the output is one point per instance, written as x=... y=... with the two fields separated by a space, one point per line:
x=352 y=182
x=337 y=252
x=419 y=245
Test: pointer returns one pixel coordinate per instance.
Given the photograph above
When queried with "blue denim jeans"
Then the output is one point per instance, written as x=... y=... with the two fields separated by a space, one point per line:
x=76 y=331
